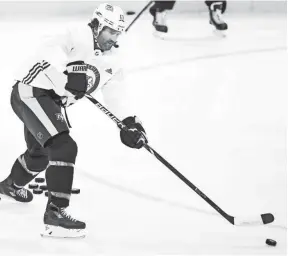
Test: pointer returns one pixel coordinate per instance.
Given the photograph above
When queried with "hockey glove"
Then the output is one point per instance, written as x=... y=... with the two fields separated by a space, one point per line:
x=77 y=80
x=135 y=137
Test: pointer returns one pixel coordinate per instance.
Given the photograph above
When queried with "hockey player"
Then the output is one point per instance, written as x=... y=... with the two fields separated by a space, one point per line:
x=60 y=74
x=216 y=9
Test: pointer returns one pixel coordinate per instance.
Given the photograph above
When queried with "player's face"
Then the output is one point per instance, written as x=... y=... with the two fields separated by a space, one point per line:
x=107 y=38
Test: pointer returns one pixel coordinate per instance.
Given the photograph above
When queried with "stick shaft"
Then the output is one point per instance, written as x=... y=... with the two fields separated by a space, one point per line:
x=189 y=184
x=163 y=161
x=138 y=15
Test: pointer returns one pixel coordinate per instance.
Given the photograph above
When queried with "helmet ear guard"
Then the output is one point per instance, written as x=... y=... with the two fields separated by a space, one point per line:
x=94 y=23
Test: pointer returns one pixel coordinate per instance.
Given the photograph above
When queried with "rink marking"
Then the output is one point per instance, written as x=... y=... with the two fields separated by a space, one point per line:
x=156 y=199
x=204 y=57
x=140 y=194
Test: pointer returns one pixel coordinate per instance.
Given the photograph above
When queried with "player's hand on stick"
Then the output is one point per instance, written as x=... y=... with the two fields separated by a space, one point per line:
x=135 y=137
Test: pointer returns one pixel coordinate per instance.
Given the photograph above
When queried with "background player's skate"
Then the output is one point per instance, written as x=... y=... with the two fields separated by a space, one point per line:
x=159 y=21
x=216 y=9
x=158 y=11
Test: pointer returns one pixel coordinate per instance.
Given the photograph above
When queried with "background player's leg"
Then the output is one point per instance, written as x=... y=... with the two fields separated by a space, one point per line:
x=216 y=9
x=158 y=11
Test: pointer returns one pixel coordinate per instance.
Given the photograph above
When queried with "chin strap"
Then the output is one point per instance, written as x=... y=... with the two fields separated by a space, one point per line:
x=95 y=34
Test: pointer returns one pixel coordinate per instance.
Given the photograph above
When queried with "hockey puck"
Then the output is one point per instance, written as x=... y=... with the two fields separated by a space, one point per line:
x=32 y=186
x=130 y=13
x=37 y=191
x=271 y=242
x=75 y=191
x=267 y=218
x=39 y=180
x=43 y=187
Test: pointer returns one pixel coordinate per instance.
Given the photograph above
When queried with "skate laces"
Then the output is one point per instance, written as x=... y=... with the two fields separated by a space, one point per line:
x=67 y=215
x=21 y=192
x=160 y=18
x=218 y=16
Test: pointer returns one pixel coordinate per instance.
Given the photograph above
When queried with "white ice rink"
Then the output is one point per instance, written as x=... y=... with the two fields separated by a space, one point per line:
x=215 y=108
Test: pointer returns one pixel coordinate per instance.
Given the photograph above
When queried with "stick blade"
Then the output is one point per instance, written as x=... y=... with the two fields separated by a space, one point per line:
x=254 y=221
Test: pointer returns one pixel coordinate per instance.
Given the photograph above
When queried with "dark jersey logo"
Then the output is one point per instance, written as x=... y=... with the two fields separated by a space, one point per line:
x=93 y=78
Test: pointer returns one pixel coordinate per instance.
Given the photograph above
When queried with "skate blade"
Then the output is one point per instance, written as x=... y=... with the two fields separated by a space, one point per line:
x=160 y=35
x=59 y=232
x=219 y=33
x=9 y=199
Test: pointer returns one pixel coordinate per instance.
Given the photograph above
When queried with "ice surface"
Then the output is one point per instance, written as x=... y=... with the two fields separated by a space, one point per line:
x=213 y=107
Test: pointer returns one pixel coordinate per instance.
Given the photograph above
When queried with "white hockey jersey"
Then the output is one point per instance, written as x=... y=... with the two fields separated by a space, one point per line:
x=45 y=68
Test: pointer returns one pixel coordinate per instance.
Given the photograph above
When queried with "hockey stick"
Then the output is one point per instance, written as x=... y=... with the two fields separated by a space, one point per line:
x=238 y=221
x=139 y=14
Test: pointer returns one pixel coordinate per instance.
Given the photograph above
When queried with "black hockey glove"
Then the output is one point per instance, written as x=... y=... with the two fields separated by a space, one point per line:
x=135 y=137
x=77 y=80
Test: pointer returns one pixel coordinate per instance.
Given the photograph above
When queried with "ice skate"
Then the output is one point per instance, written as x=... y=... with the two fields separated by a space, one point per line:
x=159 y=21
x=10 y=190
x=216 y=19
x=59 y=224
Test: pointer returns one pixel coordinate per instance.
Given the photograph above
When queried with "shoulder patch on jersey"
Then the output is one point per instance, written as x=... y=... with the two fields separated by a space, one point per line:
x=93 y=78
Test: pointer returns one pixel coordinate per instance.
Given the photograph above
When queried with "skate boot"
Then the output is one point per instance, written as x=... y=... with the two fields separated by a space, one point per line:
x=11 y=190
x=159 y=21
x=58 y=223
x=215 y=13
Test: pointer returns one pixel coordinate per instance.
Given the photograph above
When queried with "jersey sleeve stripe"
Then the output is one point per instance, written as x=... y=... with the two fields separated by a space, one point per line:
x=31 y=71
x=34 y=72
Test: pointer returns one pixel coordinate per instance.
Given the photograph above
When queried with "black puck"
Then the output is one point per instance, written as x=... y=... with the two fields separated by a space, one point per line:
x=32 y=186
x=267 y=218
x=43 y=187
x=46 y=193
x=37 y=191
x=271 y=242
x=75 y=191
x=39 y=180
x=130 y=13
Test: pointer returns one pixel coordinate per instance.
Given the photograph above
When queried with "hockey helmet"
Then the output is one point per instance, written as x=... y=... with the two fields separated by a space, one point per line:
x=109 y=15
